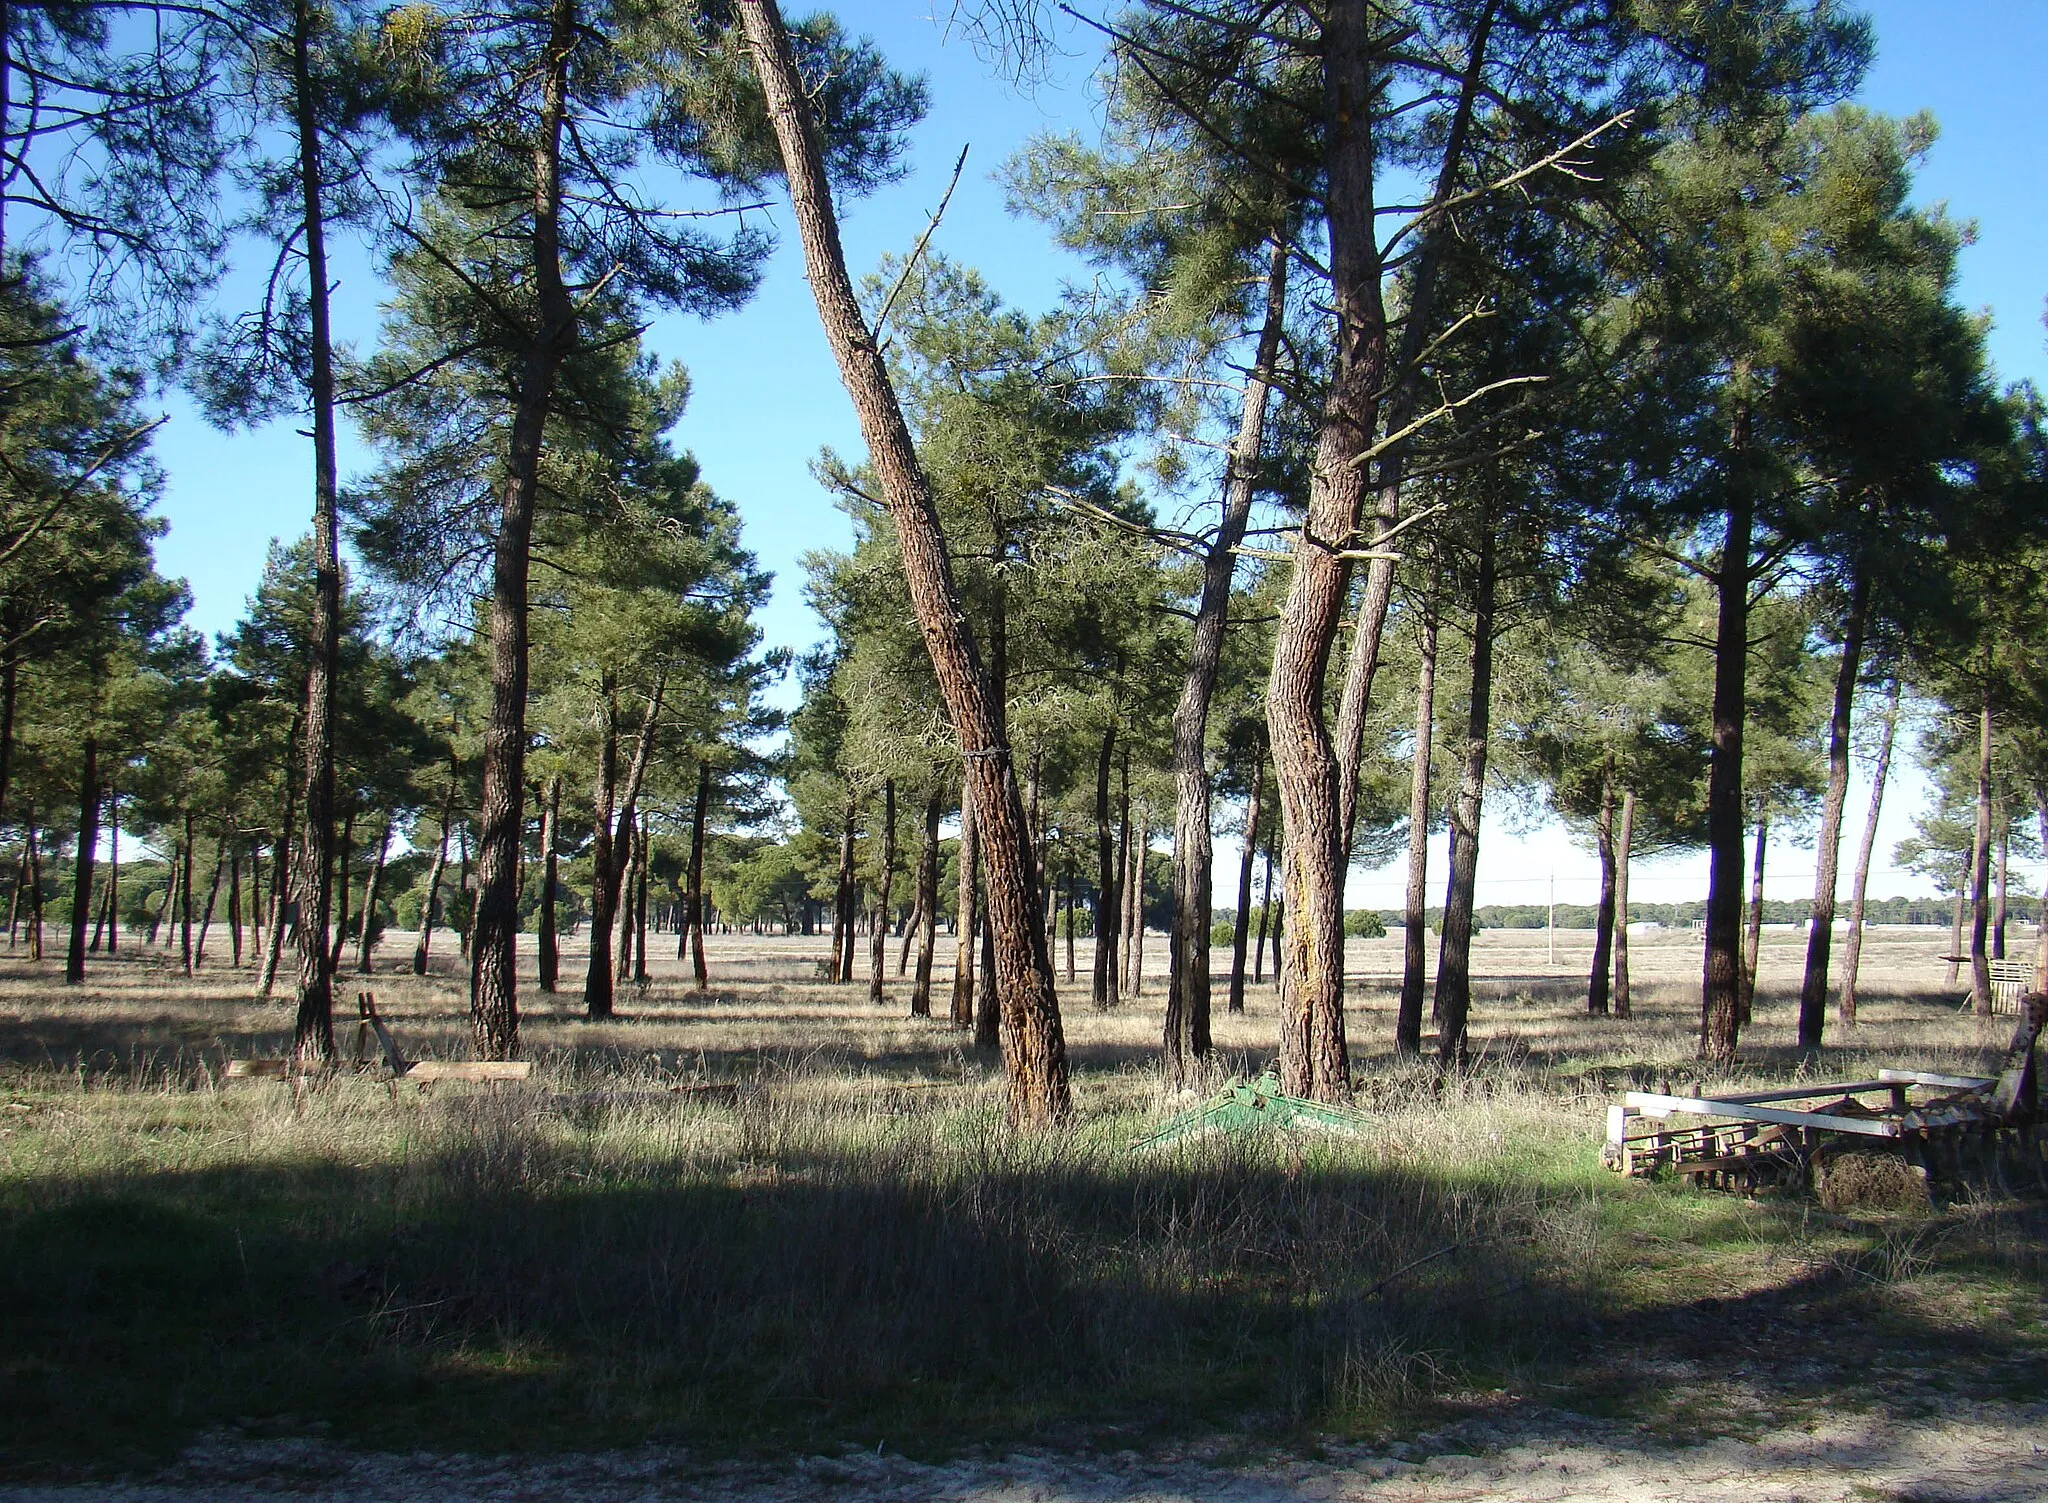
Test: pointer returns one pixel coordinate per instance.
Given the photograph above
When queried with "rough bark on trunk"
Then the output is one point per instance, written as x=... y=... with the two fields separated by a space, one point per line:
x=1415 y=902
x=548 y=943
x=1753 y=932
x=1186 y=1035
x=1035 y=1047
x=1454 y=946
x=434 y=875
x=1721 y=981
x=341 y=914
x=1107 y=907
x=88 y=842
x=494 y=927
x=1248 y=854
x=879 y=941
x=927 y=902
x=1820 y=927
x=1314 y=1060
x=1601 y=979
x=1624 y=852
x=1980 y=868
x=313 y=1022
x=695 y=911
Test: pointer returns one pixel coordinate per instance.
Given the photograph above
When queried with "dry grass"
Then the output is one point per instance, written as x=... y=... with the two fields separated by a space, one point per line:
x=776 y=1215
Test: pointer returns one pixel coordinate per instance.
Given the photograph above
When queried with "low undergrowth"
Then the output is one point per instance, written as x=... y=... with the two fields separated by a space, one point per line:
x=808 y=1256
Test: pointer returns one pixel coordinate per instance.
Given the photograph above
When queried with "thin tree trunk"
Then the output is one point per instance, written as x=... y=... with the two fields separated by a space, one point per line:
x=34 y=854
x=100 y=907
x=1753 y=935
x=1265 y=913
x=1403 y=401
x=1134 y=911
x=1820 y=927
x=2002 y=823
x=1415 y=902
x=1956 y=957
x=234 y=901
x=844 y=902
x=1107 y=908
x=987 y=1009
x=493 y=998
x=694 y=914
x=1071 y=925
x=1247 y=854
x=347 y=846
x=1036 y=1065
x=185 y=900
x=1721 y=983
x=88 y=841
x=1186 y=1035
x=313 y=1023
x=2041 y=913
x=640 y=975
x=1454 y=946
x=879 y=941
x=1980 y=867
x=626 y=851
x=366 y=940
x=1120 y=967
x=10 y=668
x=964 y=922
x=220 y=856
x=162 y=916
x=548 y=943
x=114 y=869
x=927 y=901
x=434 y=874
x=1623 y=854
x=1600 y=980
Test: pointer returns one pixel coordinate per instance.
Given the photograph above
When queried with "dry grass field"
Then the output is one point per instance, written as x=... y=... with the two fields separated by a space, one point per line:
x=774 y=1219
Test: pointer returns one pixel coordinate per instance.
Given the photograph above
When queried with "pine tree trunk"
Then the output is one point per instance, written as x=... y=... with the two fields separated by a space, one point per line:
x=114 y=869
x=1721 y=983
x=1415 y=902
x=879 y=941
x=1265 y=914
x=162 y=916
x=1036 y=1064
x=220 y=852
x=1134 y=888
x=366 y=940
x=346 y=850
x=1603 y=923
x=1247 y=854
x=1454 y=946
x=1314 y=1060
x=694 y=916
x=1820 y=930
x=640 y=976
x=1624 y=852
x=1107 y=906
x=1753 y=935
x=100 y=906
x=844 y=897
x=2041 y=913
x=280 y=887
x=2002 y=823
x=1187 y=987
x=10 y=673
x=313 y=1023
x=966 y=916
x=494 y=927
x=234 y=854
x=1071 y=925
x=1956 y=957
x=1120 y=967
x=185 y=899
x=548 y=943
x=434 y=874
x=597 y=972
x=1980 y=867
x=927 y=902
x=987 y=1009
x=88 y=842
x=35 y=885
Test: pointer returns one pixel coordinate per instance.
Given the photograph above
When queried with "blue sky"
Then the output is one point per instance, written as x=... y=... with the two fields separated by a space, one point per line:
x=766 y=397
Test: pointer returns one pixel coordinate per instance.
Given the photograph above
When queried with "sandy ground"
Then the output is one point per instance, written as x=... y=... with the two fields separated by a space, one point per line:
x=1991 y=1453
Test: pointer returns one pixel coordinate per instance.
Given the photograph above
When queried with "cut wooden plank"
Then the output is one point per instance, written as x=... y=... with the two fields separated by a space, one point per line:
x=258 y=1069
x=1651 y=1104
x=469 y=1069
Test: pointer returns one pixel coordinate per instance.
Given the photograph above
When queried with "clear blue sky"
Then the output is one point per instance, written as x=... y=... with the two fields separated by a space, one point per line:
x=767 y=397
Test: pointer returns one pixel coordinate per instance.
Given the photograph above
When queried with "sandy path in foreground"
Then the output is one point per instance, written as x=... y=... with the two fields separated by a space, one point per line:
x=1977 y=1451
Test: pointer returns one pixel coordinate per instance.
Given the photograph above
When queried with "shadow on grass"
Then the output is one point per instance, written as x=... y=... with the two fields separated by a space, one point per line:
x=502 y=1288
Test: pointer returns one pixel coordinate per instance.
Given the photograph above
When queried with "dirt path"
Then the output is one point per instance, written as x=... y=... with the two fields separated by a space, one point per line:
x=1977 y=1451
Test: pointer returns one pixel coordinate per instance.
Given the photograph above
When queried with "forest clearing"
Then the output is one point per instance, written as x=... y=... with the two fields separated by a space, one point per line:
x=773 y=1221
x=1190 y=748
